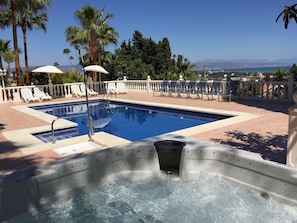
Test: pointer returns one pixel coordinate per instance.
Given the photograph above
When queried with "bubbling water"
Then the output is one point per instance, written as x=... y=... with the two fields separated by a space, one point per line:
x=206 y=198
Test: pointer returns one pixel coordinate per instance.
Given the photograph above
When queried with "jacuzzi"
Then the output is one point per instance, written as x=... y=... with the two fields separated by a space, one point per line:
x=28 y=189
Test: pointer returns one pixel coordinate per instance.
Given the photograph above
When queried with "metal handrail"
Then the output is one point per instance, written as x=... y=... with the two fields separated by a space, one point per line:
x=91 y=128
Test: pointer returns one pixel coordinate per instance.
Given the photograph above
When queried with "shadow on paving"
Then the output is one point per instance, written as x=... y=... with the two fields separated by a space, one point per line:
x=275 y=106
x=271 y=147
x=11 y=159
x=2 y=126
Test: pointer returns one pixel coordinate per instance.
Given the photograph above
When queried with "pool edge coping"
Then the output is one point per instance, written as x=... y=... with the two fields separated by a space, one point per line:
x=28 y=144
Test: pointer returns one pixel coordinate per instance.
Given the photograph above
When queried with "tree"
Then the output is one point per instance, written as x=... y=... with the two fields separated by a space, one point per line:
x=184 y=67
x=11 y=6
x=4 y=15
x=279 y=75
x=138 y=45
x=293 y=70
x=8 y=57
x=4 y=47
x=289 y=12
x=71 y=76
x=142 y=56
x=164 y=57
x=107 y=35
x=93 y=33
x=66 y=51
x=31 y=14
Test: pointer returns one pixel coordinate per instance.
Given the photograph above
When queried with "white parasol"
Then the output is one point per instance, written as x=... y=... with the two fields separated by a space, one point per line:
x=48 y=69
x=96 y=68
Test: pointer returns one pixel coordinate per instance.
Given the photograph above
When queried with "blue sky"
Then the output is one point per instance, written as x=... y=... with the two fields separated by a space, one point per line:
x=196 y=29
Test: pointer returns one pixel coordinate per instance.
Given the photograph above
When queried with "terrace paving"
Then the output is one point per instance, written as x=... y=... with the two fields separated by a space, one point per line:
x=263 y=128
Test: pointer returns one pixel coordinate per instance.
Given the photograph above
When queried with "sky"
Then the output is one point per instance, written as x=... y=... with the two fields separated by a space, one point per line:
x=197 y=29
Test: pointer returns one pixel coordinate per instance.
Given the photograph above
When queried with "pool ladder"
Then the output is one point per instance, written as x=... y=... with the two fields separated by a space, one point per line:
x=91 y=127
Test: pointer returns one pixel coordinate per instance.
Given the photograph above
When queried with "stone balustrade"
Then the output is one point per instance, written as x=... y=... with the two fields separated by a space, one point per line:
x=251 y=90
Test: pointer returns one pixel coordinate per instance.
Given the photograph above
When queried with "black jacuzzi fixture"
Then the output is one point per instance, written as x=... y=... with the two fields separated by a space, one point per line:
x=169 y=154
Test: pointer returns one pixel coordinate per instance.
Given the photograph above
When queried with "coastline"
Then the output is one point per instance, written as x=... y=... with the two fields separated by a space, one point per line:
x=257 y=69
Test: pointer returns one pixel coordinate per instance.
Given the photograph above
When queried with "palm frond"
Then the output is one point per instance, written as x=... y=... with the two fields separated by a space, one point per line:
x=279 y=16
x=289 y=12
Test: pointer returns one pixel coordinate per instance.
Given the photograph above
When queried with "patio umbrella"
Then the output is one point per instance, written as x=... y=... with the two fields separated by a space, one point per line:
x=96 y=68
x=47 y=69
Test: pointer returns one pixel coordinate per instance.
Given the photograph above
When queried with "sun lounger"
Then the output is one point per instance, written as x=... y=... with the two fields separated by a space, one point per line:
x=231 y=90
x=111 y=88
x=181 y=88
x=201 y=89
x=90 y=92
x=191 y=88
x=172 y=87
x=215 y=89
x=41 y=95
x=27 y=95
x=162 y=89
x=121 y=87
x=75 y=91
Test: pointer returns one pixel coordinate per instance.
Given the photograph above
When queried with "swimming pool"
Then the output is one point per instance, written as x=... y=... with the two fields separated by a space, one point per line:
x=126 y=120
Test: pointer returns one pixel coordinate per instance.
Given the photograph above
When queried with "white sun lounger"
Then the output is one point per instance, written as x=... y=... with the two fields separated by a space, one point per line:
x=27 y=95
x=111 y=88
x=121 y=87
x=42 y=95
x=75 y=91
x=90 y=92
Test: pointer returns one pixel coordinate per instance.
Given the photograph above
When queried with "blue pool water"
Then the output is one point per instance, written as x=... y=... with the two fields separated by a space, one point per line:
x=126 y=120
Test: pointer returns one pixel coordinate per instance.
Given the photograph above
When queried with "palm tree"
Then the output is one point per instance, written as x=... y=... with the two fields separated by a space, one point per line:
x=289 y=12
x=31 y=15
x=90 y=35
x=184 y=66
x=11 y=6
x=66 y=51
x=4 y=15
x=8 y=57
x=107 y=35
x=4 y=47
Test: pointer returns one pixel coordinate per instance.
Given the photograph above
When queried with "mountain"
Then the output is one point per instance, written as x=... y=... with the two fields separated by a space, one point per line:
x=219 y=64
x=213 y=64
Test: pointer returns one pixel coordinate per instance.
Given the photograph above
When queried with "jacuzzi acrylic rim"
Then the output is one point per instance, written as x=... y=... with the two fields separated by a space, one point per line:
x=237 y=167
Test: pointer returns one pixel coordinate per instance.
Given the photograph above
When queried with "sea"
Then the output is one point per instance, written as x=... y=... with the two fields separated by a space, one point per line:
x=257 y=69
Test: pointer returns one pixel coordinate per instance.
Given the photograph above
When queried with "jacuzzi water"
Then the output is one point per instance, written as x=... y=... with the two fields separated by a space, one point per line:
x=204 y=198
